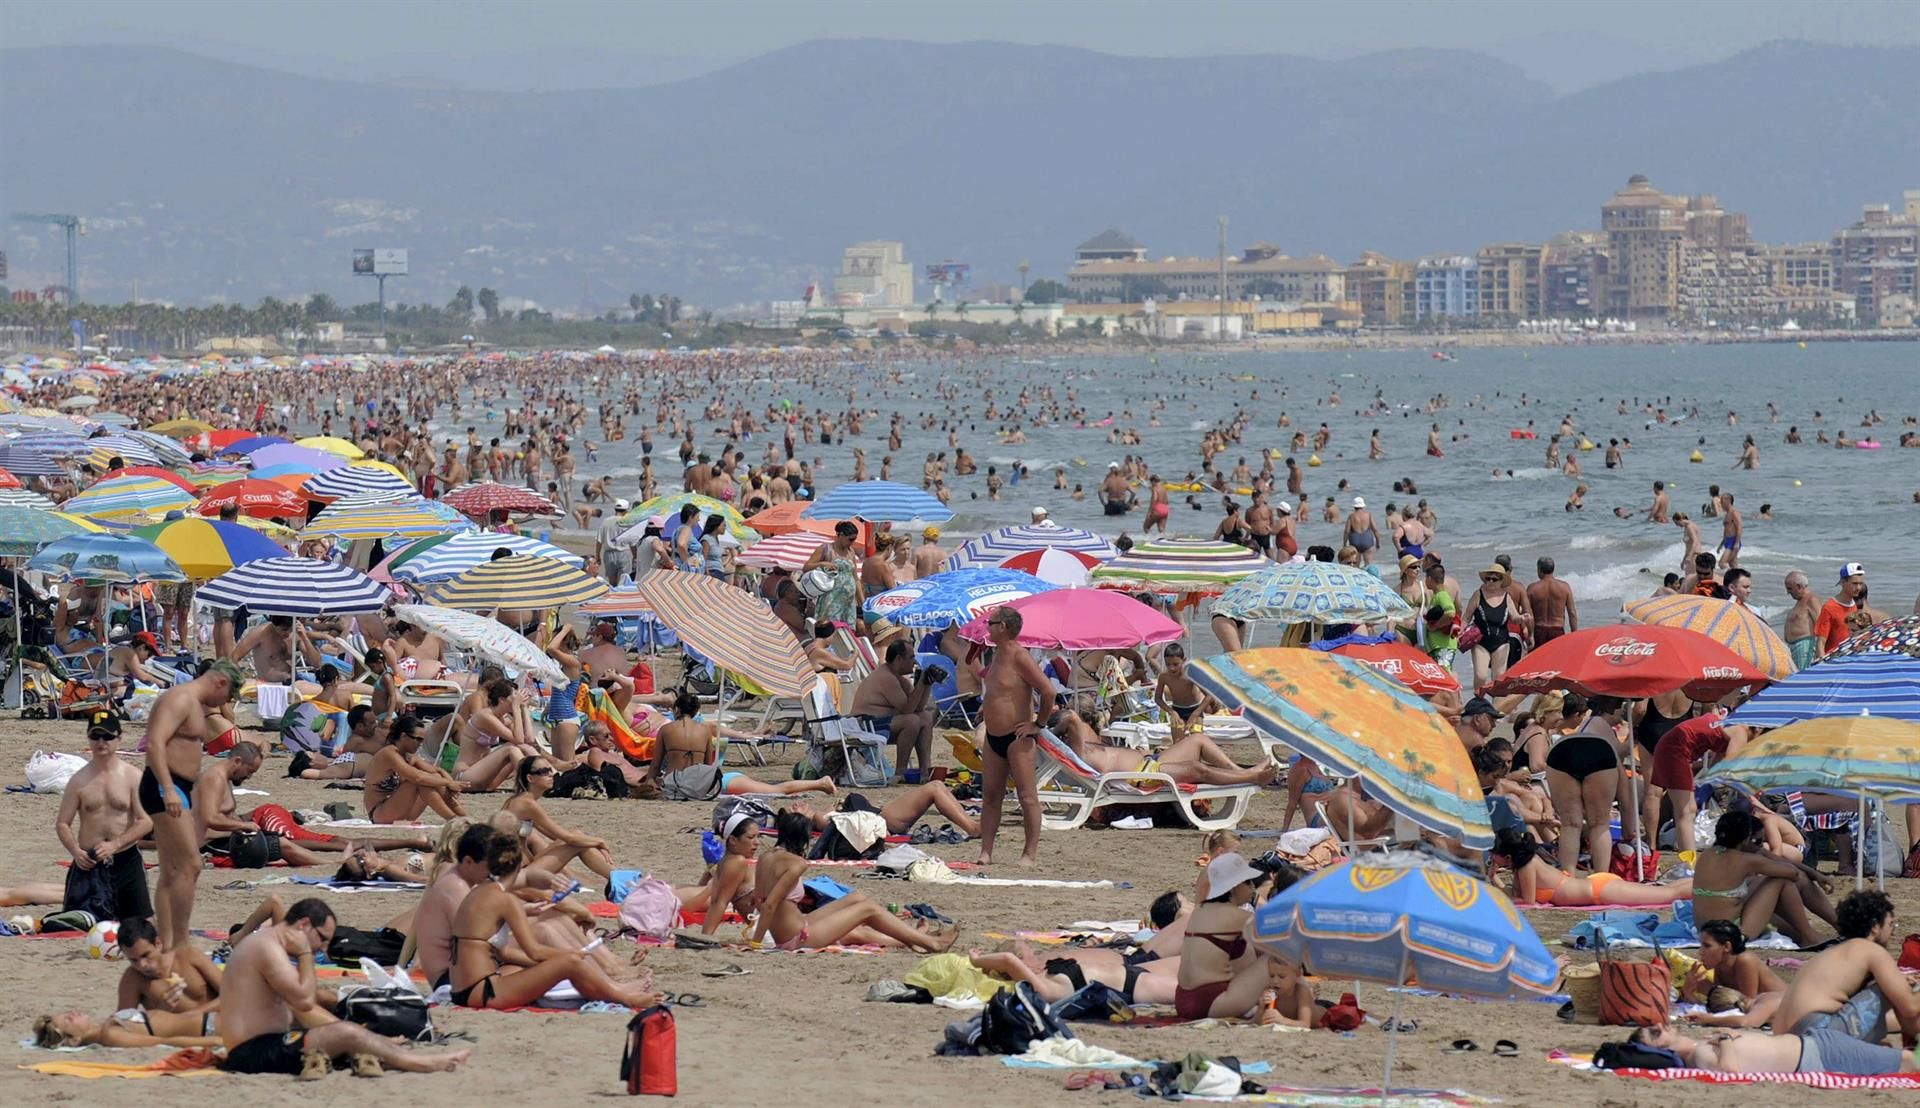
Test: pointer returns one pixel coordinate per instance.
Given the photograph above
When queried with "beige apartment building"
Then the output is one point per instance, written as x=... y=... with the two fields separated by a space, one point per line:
x=1260 y=271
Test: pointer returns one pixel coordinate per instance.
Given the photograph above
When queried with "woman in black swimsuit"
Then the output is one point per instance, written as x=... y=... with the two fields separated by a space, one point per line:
x=1490 y=609
x=482 y=925
x=1583 y=778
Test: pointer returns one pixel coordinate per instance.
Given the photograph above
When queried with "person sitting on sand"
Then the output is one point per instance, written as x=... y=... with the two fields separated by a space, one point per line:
x=598 y=751
x=494 y=735
x=1536 y=881
x=1296 y=1003
x=686 y=762
x=851 y=919
x=1493 y=768
x=489 y=918
x=1726 y=965
x=1855 y=987
x=401 y=784
x=1067 y=971
x=1221 y=973
x=532 y=780
x=351 y=761
x=1737 y=879
x=1744 y=1052
x=1193 y=760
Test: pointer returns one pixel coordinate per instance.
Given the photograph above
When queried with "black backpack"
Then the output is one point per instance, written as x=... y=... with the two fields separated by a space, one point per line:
x=351 y=946
x=1013 y=1019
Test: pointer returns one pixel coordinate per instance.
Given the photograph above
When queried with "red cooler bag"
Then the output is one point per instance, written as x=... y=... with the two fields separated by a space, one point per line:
x=648 y=1064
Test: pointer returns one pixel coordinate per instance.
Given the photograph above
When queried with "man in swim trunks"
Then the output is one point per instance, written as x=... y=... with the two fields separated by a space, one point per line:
x=1757 y=1052
x=1362 y=533
x=1801 y=640
x=175 y=733
x=897 y=701
x=100 y=824
x=1552 y=602
x=1853 y=987
x=1116 y=496
x=1732 y=532
x=1260 y=523
x=1015 y=687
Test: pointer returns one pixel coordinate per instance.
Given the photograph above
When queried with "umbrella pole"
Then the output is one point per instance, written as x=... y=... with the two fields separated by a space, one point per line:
x=1860 y=845
x=1393 y=1030
x=1879 y=856
x=16 y=676
x=1639 y=859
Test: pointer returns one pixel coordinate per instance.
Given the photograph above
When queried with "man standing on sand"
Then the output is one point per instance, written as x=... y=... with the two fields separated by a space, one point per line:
x=1801 y=640
x=263 y=994
x=1552 y=602
x=108 y=877
x=1732 y=532
x=175 y=733
x=1658 y=513
x=1831 y=625
x=1014 y=686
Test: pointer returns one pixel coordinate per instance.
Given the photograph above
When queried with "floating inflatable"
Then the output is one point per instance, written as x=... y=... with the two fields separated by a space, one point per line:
x=1520 y=433
x=1867 y=444
x=1184 y=486
x=1586 y=444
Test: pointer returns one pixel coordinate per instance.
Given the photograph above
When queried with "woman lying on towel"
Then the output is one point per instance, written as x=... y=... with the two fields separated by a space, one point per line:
x=129 y=1027
x=905 y=810
x=851 y=919
x=531 y=781
x=1537 y=881
x=1067 y=971
x=489 y=918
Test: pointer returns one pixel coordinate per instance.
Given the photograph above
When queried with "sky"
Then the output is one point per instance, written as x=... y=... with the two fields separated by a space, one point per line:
x=727 y=29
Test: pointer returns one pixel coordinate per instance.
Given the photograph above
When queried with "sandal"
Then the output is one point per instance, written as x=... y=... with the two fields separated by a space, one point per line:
x=366 y=1065
x=313 y=1067
x=1463 y=1046
x=728 y=970
x=1506 y=1048
x=1400 y=1027
x=683 y=1000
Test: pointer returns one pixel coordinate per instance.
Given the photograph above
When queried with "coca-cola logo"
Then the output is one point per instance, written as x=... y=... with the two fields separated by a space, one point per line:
x=1624 y=651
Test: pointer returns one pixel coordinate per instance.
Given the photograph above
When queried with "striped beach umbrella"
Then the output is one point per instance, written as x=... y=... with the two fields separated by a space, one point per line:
x=731 y=626
x=670 y=505
x=296 y=587
x=28 y=461
x=994 y=547
x=1734 y=626
x=1180 y=565
x=102 y=454
x=442 y=558
x=1056 y=567
x=783 y=518
x=484 y=636
x=205 y=475
x=63 y=442
x=516 y=582
x=17 y=497
x=1881 y=683
x=25 y=530
x=1311 y=592
x=206 y=548
x=1835 y=753
x=480 y=498
x=128 y=496
x=254 y=497
x=789 y=551
x=358 y=479
x=116 y=559
x=396 y=520
x=879 y=502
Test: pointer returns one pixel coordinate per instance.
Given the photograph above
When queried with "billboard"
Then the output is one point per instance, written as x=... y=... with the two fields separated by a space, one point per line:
x=380 y=263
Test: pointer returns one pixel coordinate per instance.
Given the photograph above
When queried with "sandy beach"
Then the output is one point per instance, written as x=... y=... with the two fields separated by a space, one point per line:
x=796 y=1028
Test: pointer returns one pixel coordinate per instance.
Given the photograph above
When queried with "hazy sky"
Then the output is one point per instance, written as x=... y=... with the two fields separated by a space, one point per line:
x=739 y=28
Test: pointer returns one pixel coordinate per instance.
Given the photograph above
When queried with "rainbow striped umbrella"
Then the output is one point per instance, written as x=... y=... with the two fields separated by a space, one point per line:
x=442 y=558
x=24 y=530
x=734 y=628
x=1180 y=565
x=398 y=519
x=619 y=602
x=206 y=548
x=520 y=581
x=1734 y=626
x=129 y=496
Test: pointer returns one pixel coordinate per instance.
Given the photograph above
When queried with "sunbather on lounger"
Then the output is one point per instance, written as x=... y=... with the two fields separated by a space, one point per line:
x=778 y=890
x=1194 y=760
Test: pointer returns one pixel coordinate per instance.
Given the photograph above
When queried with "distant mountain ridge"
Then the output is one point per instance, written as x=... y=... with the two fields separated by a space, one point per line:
x=203 y=180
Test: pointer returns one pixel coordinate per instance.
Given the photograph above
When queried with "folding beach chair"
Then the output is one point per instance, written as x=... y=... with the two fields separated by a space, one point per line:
x=948 y=705
x=833 y=738
x=1074 y=790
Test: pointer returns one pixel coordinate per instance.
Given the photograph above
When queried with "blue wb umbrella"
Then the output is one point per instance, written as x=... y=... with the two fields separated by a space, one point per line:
x=955 y=596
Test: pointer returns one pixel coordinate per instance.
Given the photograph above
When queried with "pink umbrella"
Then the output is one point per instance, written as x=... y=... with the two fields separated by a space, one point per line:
x=1083 y=619
x=790 y=550
x=1053 y=565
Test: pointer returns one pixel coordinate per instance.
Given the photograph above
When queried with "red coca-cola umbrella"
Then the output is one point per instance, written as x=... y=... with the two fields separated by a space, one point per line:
x=1631 y=661
x=1404 y=663
x=256 y=497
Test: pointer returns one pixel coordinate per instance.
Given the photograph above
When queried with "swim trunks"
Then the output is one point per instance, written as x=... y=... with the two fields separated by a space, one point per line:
x=1862 y=1017
x=274 y=1052
x=126 y=881
x=1805 y=651
x=1582 y=756
x=1825 y=1050
x=150 y=799
x=1729 y=542
x=1542 y=634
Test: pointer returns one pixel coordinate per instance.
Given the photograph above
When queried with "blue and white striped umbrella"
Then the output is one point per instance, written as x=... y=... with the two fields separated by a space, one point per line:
x=130 y=450
x=27 y=461
x=117 y=559
x=1882 y=683
x=59 y=443
x=996 y=546
x=878 y=502
x=358 y=480
x=169 y=451
x=445 y=559
x=956 y=596
x=296 y=587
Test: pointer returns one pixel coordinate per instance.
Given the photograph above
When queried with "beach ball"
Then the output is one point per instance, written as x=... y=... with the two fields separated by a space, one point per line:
x=103 y=941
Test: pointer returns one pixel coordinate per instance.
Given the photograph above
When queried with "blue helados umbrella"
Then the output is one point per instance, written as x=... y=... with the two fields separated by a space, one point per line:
x=1405 y=919
x=1876 y=683
x=115 y=559
x=878 y=502
x=988 y=550
x=956 y=596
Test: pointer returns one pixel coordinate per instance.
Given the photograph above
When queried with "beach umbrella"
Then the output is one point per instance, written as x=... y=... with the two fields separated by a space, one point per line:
x=358 y=479
x=1882 y=683
x=1354 y=720
x=790 y=550
x=25 y=530
x=117 y=419
x=1900 y=635
x=28 y=461
x=156 y=472
x=205 y=475
x=1311 y=592
x=103 y=449
x=1406 y=919
x=519 y=581
x=994 y=547
x=292 y=586
x=128 y=496
x=180 y=428
x=1734 y=626
x=17 y=497
x=1630 y=661
x=79 y=402
x=116 y=559
x=331 y=445
x=617 y=603
x=1065 y=568
x=443 y=557
x=1082 y=619
x=168 y=451
x=1180 y=565
x=956 y=596
x=257 y=498
x=486 y=637
x=784 y=518
x=293 y=458
x=732 y=627
x=706 y=505
x=395 y=520
x=61 y=442
x=1393 y=656
x=878 y=502
x=206 y=548
x=1831 y=754
x=246 y=442
x=480 y=498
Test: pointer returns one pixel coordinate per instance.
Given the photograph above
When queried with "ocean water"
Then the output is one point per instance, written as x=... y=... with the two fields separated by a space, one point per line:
x=1829 y=505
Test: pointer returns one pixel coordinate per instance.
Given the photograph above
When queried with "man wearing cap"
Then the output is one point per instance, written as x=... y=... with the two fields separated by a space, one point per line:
x=896 y=700
x=100 y=824
x=928 y=558
x=126 y=663
x=1116 y=496
x=1040 y=518
x=176 y=731
x=1476 y=722
x=1362 y=533
x=1831 y=626
x=615 y=559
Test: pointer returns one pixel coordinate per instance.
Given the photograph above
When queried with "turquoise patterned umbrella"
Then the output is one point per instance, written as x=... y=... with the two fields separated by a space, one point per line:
x=115 y=559
x=24 y=530
x=1312 y=592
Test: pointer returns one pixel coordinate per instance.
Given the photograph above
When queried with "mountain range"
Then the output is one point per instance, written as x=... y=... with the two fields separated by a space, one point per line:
x=203 y=180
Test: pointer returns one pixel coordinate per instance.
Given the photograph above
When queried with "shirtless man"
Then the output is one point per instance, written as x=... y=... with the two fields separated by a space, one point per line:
x=266 y=645
x=175 y=732
x=1689 y=540
x=1552 y=600
x=425 y=651
x=1801 y=640
x=1854 y=987
x=1758 y=1052
x=1014 y=685
x=602 y=656
x=1661 y=503
x=1116 y=496
x=264 y=994
x=172 y=980
x=1362 y=532
x=928 y=558
x=896 y=700
x=110 y=823
x=1260 y=523
x=1732 y=532
x=213 y=809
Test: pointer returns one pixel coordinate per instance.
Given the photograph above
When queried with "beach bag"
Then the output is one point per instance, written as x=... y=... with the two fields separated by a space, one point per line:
x=648 y=1063
x=49 y=771
x=1624 y=867
x=726 y=806
x=1635 y=993
x=1469 y=636
x=1635 y=1056
x=1910 y=953
x=392 y=1011
x=351 y=946
x=650 y=907
x=1014 y=1018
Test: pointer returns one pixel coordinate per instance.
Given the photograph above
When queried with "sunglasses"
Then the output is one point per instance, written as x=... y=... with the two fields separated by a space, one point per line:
x=544 y=772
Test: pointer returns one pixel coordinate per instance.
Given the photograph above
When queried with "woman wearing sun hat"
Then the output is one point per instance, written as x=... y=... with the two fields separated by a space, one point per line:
x=1489 y=612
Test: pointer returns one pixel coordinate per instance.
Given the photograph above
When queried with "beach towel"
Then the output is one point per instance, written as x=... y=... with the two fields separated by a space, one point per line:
x=954 y=977
x=1584 y=1063
x=597 y=705
x=697 y=782
x=197 y=1062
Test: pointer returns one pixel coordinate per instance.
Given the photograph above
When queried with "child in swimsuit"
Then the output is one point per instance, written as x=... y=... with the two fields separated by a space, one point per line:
x=1176 y=694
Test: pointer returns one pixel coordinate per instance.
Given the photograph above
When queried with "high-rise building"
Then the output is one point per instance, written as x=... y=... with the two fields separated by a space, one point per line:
x=1446 y=287
x=1573 y=276
x=1877 y=262
x=1509 y=275
x=874 y=275
x=1645 y=230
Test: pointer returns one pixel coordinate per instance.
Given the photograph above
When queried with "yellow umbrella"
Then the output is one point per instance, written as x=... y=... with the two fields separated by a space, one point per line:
x=181 y=428
x=332 y=445
x=1840 y=753
x=1734 y=626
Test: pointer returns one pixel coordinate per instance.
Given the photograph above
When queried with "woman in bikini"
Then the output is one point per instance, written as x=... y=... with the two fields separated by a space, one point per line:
x=532 y=780
x=730 y=880
x=1726 y=964
x=489 y=918
x=493 y=735
x=1737 y=879
x=1068 y=971
x=1221 y=974
x=1177 y=695
x=129 y=1027
x=1535 y=881
x=563 y=703
x=851 y=919
x=401 y=785
x=687 y=743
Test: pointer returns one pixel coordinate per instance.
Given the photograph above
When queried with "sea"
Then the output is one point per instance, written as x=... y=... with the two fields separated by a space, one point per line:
x=1492 y=491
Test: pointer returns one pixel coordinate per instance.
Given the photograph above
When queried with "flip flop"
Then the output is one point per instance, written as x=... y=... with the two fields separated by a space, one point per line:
x=1463 y=1046
x=684 y=1000
x=1402 y=1027
x=1506 y=1048
x=728 y=970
